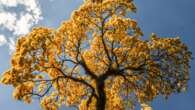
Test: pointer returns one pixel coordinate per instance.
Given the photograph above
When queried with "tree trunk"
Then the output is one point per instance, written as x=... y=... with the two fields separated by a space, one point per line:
x=101 y=101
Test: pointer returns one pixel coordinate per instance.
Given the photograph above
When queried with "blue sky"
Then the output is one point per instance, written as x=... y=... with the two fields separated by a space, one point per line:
x=167 y=18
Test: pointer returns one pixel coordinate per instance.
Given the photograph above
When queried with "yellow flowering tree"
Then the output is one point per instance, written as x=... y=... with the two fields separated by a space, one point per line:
x=97 y=60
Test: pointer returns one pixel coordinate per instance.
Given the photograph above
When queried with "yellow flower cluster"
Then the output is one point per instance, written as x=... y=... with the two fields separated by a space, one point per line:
x=98 y=48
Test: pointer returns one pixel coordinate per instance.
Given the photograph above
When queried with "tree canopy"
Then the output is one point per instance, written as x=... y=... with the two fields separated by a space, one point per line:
x=97 y=60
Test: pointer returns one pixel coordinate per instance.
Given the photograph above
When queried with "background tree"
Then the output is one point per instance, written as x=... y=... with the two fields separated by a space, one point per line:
x=97 y=60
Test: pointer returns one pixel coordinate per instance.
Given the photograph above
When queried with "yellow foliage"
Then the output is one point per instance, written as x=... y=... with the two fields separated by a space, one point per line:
x=96 y=55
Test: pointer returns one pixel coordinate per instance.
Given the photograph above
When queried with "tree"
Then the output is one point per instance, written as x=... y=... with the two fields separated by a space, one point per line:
x=97 y=60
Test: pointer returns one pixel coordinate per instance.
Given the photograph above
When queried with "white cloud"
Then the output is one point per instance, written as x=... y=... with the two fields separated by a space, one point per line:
x=2 y=40
x=11 y=3
x=8 y=20
x=23 y=24
x=19 y=23
x=12 y=44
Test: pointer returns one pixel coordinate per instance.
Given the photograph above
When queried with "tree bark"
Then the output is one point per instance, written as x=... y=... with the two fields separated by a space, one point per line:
x=101 y=101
